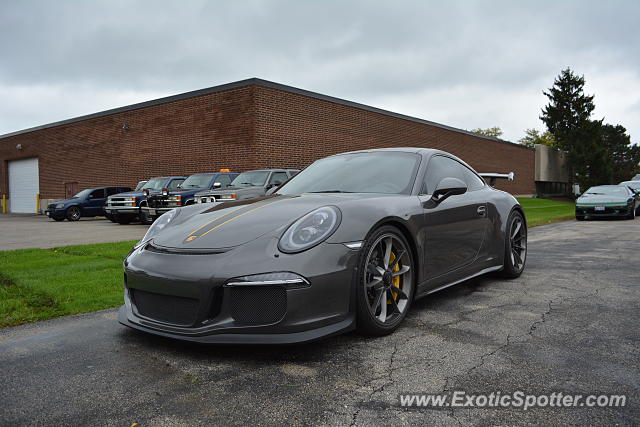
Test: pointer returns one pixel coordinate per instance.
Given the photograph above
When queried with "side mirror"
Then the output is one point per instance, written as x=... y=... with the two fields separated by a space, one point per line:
x=270 y=191
x=217 y=185
x=448 y=187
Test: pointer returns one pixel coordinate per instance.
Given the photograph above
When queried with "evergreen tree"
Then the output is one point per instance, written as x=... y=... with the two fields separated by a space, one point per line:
x=567 y=117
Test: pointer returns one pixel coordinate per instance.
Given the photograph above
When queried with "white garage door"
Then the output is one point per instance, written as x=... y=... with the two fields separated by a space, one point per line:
x=23 y=185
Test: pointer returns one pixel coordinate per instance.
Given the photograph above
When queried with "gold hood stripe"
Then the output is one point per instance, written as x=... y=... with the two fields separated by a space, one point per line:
x=193 y=236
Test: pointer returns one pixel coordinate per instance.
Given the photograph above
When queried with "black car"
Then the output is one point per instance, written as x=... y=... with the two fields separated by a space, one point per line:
x=348 y=242
x=88 y=202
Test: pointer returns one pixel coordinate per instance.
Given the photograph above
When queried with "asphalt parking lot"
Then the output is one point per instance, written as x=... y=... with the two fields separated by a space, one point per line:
x=32 y=231
x=569 y=323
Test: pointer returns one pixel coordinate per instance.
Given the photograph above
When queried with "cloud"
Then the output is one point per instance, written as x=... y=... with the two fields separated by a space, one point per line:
x=466 y=63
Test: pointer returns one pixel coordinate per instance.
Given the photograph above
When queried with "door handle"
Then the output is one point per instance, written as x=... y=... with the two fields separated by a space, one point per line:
x=482 y=210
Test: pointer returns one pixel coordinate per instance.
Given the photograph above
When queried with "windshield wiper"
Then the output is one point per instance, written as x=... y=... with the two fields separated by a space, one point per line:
x=331 y=191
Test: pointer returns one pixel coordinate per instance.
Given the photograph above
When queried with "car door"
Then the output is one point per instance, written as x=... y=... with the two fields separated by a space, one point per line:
x=455 y=227
x=95 y=202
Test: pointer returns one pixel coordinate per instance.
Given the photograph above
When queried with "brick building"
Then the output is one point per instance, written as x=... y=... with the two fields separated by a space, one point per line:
x=243 y=125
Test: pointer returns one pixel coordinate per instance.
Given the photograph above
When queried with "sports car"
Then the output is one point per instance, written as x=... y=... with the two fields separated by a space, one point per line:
x=347 y=243
x=609 y=201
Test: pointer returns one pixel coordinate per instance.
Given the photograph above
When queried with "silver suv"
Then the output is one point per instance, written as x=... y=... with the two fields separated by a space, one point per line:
x=247 y=185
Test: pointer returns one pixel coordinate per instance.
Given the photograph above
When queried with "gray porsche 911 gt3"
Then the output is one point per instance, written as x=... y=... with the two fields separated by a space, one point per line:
x=347 y=243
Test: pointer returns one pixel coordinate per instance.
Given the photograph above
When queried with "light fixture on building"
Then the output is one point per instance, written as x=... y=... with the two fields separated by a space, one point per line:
x=125 y=126
x=18 y=146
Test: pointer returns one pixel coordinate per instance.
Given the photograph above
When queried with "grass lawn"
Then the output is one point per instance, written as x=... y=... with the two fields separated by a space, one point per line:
x=545 y=211
x=38 y=284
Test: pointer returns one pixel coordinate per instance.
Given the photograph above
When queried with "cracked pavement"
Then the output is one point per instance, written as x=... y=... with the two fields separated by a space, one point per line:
x=569 y=323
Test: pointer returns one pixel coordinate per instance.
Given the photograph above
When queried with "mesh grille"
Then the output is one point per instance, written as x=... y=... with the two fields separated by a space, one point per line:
x=258 y=305
x=165 y=308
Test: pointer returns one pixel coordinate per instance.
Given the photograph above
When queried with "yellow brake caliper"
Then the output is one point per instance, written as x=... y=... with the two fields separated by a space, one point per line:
x=396 y=280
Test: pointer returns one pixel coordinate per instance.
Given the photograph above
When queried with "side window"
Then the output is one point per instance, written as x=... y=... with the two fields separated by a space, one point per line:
x=225 y=180
x=173 y=185
x=113 y=190
x=474 y=182
x=97 y=194
x=278 y=178
x=440 y=167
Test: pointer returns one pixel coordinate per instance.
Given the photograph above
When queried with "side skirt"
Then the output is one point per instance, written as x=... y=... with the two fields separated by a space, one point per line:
x=479 y=273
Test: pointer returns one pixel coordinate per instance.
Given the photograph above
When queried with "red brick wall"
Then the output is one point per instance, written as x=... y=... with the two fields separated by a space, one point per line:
x=244 y=128
x=201 y=134
x=294 y=130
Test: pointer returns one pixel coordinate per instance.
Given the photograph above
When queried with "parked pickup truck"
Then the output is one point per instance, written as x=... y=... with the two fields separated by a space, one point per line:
x=247 y=185
x=89 y=202
x=124 y=208
x=164 y=201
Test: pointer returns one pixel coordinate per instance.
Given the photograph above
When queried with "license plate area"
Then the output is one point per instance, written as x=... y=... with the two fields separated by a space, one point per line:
x=152 y=211
x=599 y=208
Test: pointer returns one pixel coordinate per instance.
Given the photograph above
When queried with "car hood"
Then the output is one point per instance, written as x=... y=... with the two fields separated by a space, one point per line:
x=226 y=190
x=66 y=201
x=225 y=225
x=590 y=199
x=129 y=194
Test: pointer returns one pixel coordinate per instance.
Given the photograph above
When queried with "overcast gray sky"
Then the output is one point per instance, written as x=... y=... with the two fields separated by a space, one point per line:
x=462 y=63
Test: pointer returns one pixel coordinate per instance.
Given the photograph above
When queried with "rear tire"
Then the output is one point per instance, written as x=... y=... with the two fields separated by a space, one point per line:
x=73 y=213
x=515 y=246
x=384 y=284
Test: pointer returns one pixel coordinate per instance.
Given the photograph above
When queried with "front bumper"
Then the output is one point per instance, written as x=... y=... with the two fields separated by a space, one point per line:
x=55 y=213
x=608 y=211
x=129 y=210
x=184 y=296
x=156 y=211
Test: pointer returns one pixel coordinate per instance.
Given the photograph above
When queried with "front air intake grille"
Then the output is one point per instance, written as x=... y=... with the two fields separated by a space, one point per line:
x=165 y=308
x=258 y=305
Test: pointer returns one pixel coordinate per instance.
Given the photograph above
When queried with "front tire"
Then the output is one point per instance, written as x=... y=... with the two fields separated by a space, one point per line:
x=145 y=218
x=385 y=282
x=515 y=251
x=73 y=213
x=632 y=214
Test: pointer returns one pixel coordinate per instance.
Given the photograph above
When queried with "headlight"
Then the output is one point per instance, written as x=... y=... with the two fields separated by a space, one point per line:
x=230 y=196
x=60 y=206
x=157 y=226
x=310 y=230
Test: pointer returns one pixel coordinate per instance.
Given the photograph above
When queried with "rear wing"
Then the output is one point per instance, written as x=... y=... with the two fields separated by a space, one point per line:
x=490 y=178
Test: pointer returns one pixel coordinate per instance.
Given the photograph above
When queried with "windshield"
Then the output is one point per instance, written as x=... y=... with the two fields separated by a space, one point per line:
x=388 y=172
x=140 y=185
x=633 y=184
x=250 y=179
x=609 y=190
x=197 y=181
x=155 y=183
x=82 y=194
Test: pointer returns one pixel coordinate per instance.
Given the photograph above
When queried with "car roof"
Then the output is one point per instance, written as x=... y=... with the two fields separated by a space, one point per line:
x=418 y=150
x=268 y=170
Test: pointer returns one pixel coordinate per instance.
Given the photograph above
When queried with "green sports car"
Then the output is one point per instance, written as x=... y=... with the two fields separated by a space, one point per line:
x=608 y=200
